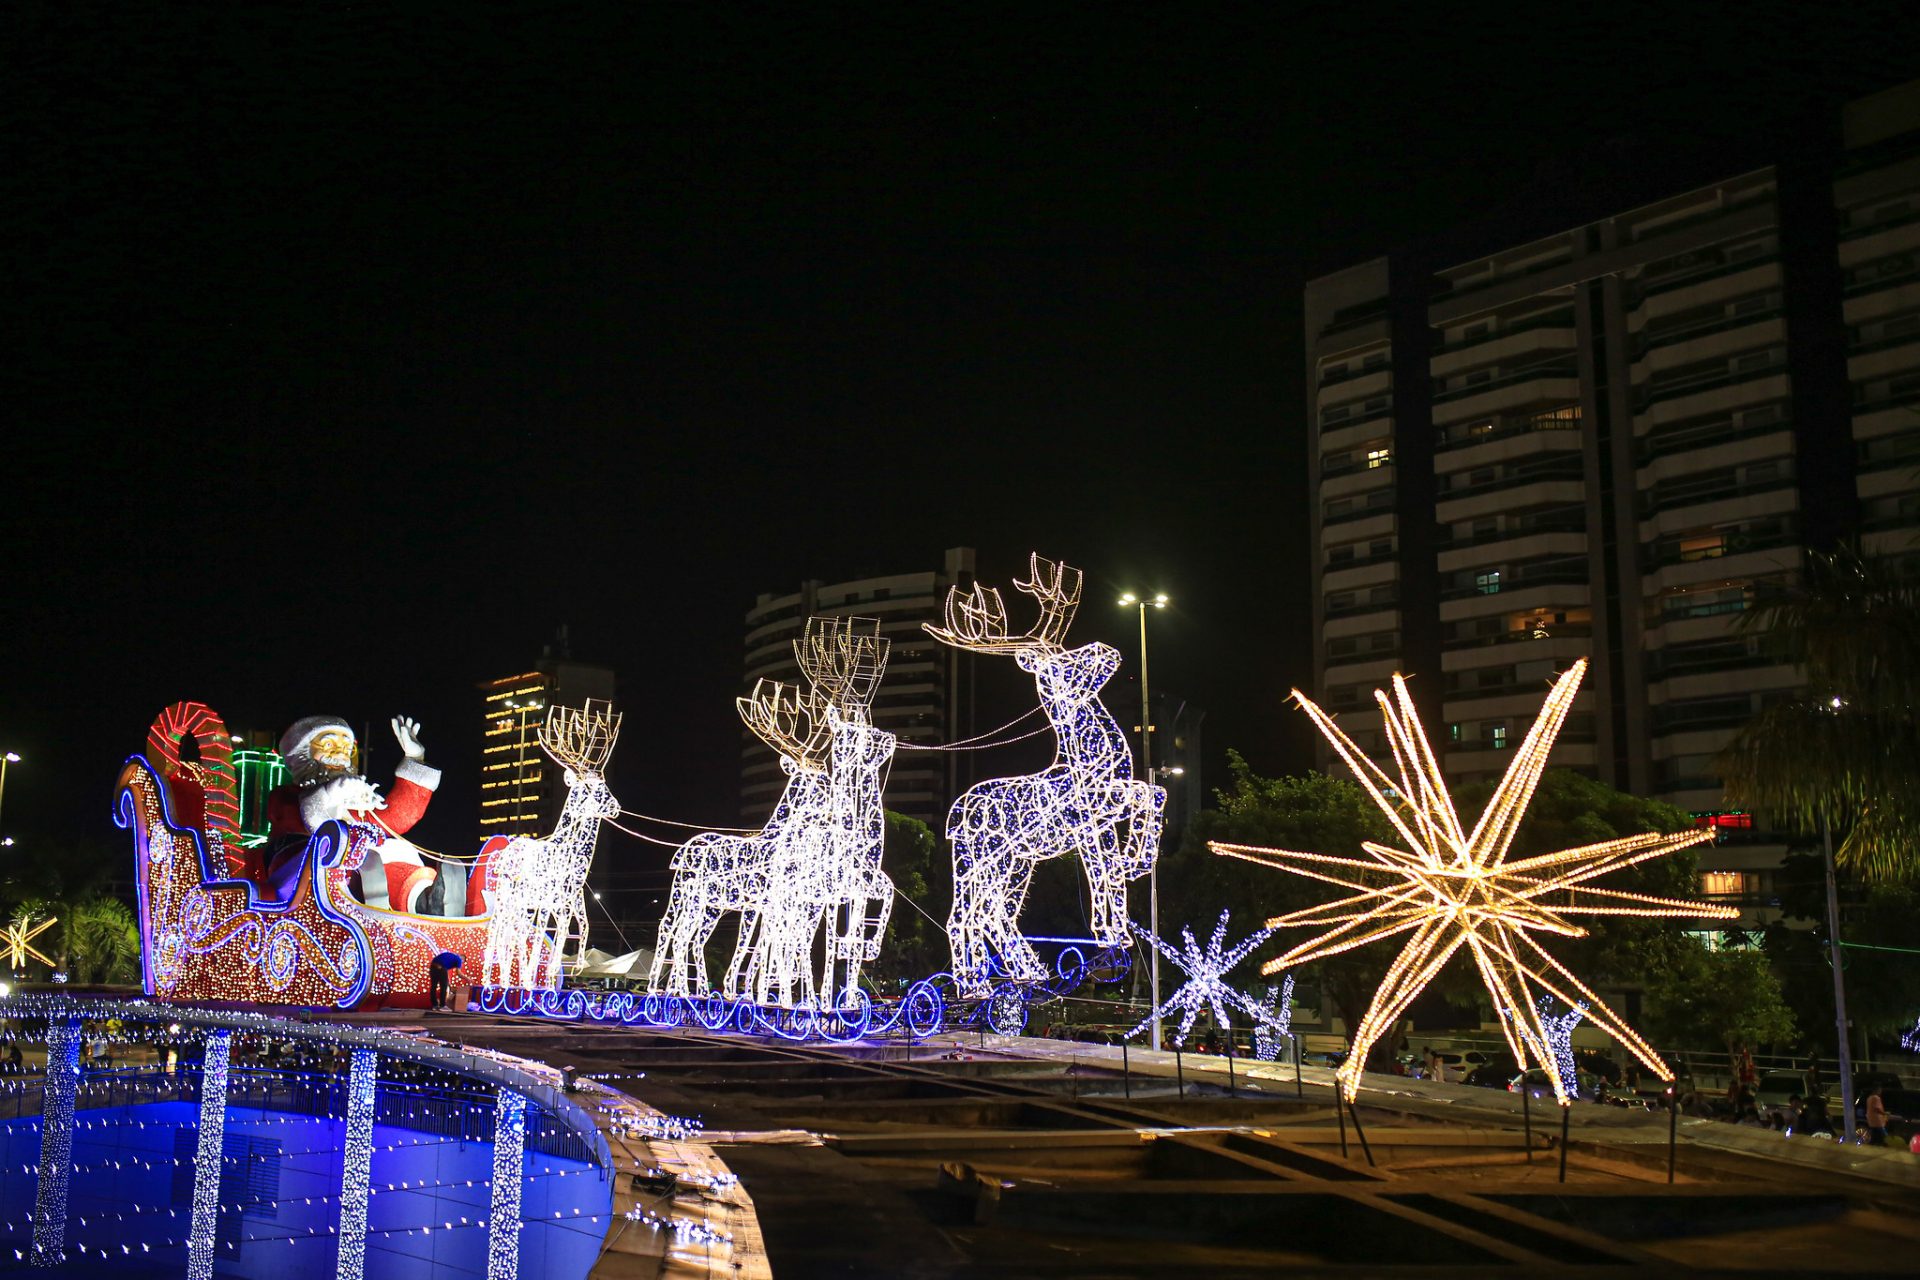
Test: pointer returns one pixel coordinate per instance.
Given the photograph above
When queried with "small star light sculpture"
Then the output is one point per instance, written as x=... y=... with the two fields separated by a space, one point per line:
x=1205 y=985
x=17 y=941
x=1448 y=888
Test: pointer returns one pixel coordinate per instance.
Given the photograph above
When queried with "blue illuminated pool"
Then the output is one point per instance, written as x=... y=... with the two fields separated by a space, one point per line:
x=191 y=1150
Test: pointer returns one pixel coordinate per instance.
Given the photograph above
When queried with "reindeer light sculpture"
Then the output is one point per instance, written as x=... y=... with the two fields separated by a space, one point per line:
x=717 y=873
x=1003 y=827
x=538 y=885
x=816 y=863
x=837 y=884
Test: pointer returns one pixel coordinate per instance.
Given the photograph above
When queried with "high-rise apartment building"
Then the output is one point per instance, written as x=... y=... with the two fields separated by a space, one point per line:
x=1610 y=443
x=521 y=791
x=924 y=699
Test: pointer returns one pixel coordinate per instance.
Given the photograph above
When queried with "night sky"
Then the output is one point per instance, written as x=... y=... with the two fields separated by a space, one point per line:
x=356 y=349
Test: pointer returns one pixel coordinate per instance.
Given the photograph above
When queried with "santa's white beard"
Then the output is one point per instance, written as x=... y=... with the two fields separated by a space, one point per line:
x=334 y=799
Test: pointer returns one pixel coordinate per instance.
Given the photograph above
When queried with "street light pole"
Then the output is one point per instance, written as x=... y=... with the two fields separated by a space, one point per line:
x=1839 y=988
x=5 y=760
x=1146 y=765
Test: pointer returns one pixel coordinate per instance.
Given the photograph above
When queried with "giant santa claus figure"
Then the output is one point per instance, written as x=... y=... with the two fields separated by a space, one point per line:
x=322 y=786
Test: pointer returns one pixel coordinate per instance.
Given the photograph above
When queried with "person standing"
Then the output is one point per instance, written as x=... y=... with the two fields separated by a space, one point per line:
x=1876 y=1119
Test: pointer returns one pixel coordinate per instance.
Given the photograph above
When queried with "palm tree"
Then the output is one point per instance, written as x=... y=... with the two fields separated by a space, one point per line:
x=102 y=942
x=1845 y=753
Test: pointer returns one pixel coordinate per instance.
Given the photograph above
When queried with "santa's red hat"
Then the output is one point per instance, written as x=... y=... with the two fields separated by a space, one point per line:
x=302 y=732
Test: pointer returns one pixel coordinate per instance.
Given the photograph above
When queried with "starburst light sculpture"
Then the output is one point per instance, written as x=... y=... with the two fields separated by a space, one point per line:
x=1450 y=889
x=1206 y=985
x=17 y=942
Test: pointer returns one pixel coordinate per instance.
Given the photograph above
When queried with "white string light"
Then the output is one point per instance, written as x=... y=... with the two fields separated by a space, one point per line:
x=206 y=1173
x=1003 y=827
x=357 y=1164
x=56 y=1143
x=1449 y=890
x=815 y=865
x=1206 y=985
x=1275 y=1022
x=538 y=886
x=503 y=1218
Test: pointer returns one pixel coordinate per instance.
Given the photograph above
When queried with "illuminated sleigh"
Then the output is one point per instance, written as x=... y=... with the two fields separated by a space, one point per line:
x=213 y=928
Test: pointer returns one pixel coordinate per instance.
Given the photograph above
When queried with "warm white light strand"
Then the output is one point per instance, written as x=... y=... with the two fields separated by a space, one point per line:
x=1448 y=890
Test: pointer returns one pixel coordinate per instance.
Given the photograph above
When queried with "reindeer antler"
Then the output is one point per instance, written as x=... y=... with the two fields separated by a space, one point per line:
x=581 y=740
x=844 y=658
x=977 y=620
x=791 y=720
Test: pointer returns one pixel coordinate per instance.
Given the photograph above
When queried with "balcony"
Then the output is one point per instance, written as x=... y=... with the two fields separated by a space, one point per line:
x=1552 y=520
x=1563 y=630
x=1560 y=319
x=1552 y=573
x=1670 y=439
x=1713 y=267
x=1558 y=367
x=1533 y=470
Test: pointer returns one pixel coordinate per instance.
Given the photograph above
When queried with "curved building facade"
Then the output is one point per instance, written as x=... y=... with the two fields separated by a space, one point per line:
x=925 y=698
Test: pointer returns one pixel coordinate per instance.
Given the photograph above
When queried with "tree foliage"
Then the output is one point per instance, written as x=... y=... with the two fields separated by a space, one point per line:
x=1847 y=750
x=1733 y=996
x=916 y=943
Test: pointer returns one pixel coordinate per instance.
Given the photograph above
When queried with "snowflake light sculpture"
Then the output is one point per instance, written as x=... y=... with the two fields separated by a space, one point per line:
x=18 y=939
x=1276 y=1022
x=1452 y=889
x=538 y=886
x=1206 y=985
x=816 y=863
x=1003 y=827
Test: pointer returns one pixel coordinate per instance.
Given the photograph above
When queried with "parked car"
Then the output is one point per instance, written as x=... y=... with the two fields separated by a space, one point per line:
x=1494 y=1075
x=1595 y=1063
x=1535 y=1082
x=1776 y=1087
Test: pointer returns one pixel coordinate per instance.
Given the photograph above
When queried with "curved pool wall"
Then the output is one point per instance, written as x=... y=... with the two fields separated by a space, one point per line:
x=373 y=1155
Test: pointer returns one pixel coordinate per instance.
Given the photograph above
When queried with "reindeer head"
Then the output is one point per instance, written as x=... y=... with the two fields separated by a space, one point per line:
x=977 y=620
x=791 y=720
x=844 y=658
x=580 y=742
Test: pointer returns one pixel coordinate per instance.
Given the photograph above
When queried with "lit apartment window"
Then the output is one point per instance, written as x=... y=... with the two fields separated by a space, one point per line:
x=1705 y=547
x=1497 y=735
x=1488 y=583
x=1721 y=884
x=1378 y=458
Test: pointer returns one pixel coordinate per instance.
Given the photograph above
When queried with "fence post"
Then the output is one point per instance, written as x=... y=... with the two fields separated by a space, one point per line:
x=1299 y=1089
x=1673 y=1123
x=1566 y=1115
x=1526 y=1114
x=1180 y=1070
x=1126 y=1072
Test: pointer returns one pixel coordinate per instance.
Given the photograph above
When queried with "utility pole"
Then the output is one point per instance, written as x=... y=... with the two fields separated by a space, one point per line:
x=1839 y=988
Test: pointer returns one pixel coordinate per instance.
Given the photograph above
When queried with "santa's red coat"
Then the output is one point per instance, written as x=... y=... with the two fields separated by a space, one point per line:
x=406 y=804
